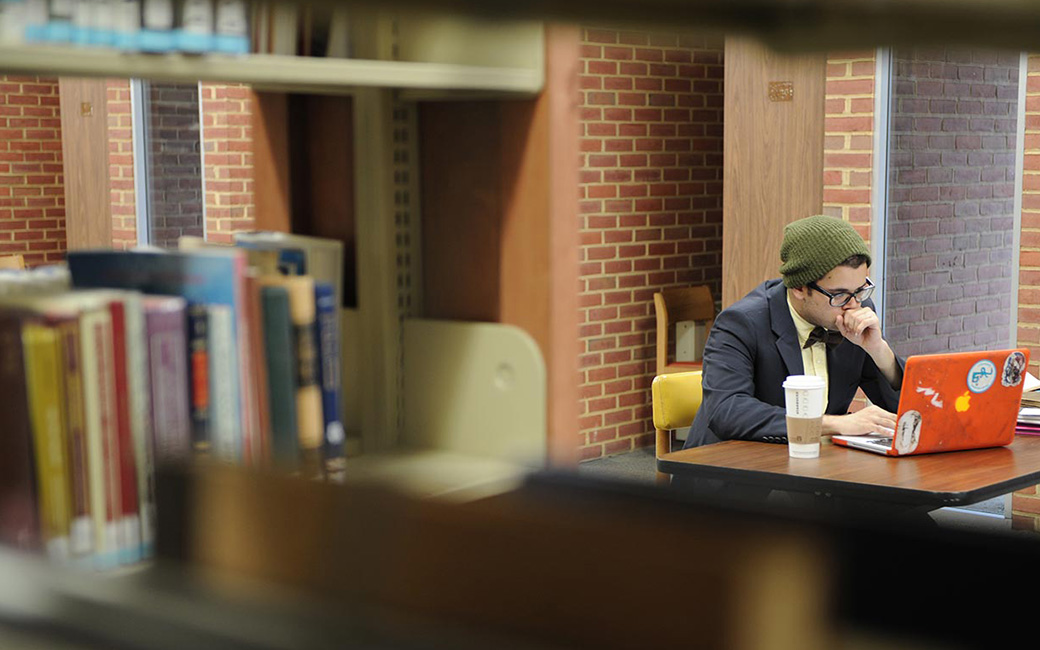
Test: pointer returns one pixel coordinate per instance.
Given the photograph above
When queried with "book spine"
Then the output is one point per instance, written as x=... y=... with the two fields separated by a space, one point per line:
x=309 y=426
x=198 y=365
x=157 y=33
x=127 y=18
x=139 y=394
x=168 y=365
x=329 y=377
x=232 y=27
x=43 y=370
x=128 y=504
x=227 y=445
x=95 y=336
x=281 y=385
x=81 y=533
x=59 y=22
x=19 y=511
x=195 y=32
x=254 y=373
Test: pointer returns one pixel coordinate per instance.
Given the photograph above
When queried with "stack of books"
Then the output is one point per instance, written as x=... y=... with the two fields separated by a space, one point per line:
x=193 y=26
x=125 y=360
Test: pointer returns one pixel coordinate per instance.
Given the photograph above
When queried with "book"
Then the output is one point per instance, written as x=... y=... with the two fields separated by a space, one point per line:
x=194 y=31
x=281 y=386
x=129 y=517
x=167 y=349
x=231 y=27
x=198 y=370
x=319 y=257
x=157 y=26
x=329 y=378
x=309 y=419
x=255 y=368
x=225 y=422
x=19 y=513
x=44 y=367
x=81 y=528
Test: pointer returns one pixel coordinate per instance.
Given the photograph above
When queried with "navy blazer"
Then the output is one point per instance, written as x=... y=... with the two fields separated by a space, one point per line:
x=752 y=348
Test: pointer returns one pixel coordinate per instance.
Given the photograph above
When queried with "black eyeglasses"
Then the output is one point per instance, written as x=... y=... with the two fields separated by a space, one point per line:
x=842 y=298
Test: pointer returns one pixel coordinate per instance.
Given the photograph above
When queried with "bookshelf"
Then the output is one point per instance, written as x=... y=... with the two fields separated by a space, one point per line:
x=274 y=72
x=402 y=111
x=426 y=54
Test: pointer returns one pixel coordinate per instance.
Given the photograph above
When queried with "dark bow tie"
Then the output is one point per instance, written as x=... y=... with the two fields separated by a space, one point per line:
x=819 y=334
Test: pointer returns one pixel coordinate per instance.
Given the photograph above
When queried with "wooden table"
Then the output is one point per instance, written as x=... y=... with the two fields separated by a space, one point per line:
x=923 y=482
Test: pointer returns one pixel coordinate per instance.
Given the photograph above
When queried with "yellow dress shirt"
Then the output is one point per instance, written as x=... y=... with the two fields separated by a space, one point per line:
x=814 y=358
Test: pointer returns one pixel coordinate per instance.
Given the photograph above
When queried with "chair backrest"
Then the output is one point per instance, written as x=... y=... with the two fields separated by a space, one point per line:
x=12 y=262
x=682 y=304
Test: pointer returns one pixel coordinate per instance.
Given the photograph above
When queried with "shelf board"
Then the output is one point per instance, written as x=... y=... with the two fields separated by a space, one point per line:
x=292 y=73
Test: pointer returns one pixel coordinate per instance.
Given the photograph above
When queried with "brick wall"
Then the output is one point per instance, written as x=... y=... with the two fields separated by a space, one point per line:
x=121 y=163
x=228 y=136
x=951 y=205
x=849 y=138
x=651 y=212
x=32 y=188
x=176 y=163
x=177 y=156
x=1025 y=504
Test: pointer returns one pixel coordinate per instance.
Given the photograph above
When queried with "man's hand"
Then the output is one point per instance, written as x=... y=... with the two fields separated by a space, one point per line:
x=872 y=419
x=862 y=327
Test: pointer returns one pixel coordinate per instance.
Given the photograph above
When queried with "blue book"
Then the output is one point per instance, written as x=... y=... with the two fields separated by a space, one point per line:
x=329 y=378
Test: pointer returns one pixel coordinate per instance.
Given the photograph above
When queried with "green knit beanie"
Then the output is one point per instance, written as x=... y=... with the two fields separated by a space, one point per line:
x=814 y=246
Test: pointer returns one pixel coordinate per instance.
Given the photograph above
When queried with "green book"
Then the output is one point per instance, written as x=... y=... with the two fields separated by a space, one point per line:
x=280 y=350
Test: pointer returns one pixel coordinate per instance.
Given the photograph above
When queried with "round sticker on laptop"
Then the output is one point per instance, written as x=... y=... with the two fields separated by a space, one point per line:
x=981 y=376
x=908 y=432
x=1014 y=366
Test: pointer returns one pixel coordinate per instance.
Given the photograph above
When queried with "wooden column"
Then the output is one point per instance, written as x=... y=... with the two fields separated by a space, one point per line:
x=84 y=148
x=773 y=158
x=500 y=222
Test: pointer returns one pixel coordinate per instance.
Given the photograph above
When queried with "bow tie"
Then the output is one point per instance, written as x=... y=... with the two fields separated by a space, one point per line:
x=819 y=334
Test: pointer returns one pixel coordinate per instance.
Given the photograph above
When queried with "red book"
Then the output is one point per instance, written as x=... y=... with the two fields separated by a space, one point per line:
x=129 y=527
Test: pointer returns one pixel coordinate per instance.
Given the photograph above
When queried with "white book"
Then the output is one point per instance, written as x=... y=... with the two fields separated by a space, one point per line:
x=12 y=22
x=195 y=33
x=232 y=27
x=224 y=394
x=139 y=394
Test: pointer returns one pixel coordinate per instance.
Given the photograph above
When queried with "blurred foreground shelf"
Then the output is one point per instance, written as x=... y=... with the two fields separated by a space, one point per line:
x=268 y=71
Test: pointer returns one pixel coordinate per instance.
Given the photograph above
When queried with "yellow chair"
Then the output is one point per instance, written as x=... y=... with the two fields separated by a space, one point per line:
x=676 y=398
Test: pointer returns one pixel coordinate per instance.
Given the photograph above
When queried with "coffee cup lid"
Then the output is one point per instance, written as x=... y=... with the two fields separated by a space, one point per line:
x=803 y=382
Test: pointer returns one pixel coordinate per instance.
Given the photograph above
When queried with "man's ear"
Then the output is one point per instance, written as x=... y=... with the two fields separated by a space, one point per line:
x=799 y=293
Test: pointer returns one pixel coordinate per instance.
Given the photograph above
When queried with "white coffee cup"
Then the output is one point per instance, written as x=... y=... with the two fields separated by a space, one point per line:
x=804 y=396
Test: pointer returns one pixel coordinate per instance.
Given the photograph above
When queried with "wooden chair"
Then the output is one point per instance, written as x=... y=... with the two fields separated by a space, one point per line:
x=676 y=398
x=12 y=262
x=675 y=305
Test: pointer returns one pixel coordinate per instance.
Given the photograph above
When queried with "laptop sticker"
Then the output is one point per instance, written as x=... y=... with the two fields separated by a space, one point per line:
x=1014 y=368
x=908 y=432
x=981 y=376
x=963 y=402
x=934 y=394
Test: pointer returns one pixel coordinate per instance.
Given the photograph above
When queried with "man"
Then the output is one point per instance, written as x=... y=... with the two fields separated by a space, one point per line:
x=816 y=320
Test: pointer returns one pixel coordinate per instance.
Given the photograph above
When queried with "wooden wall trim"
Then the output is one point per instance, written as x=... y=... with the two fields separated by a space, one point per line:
x=84 y=147
x=773 y=159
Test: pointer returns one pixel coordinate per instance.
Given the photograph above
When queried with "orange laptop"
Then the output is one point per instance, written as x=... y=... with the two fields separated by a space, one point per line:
x=964 y=400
